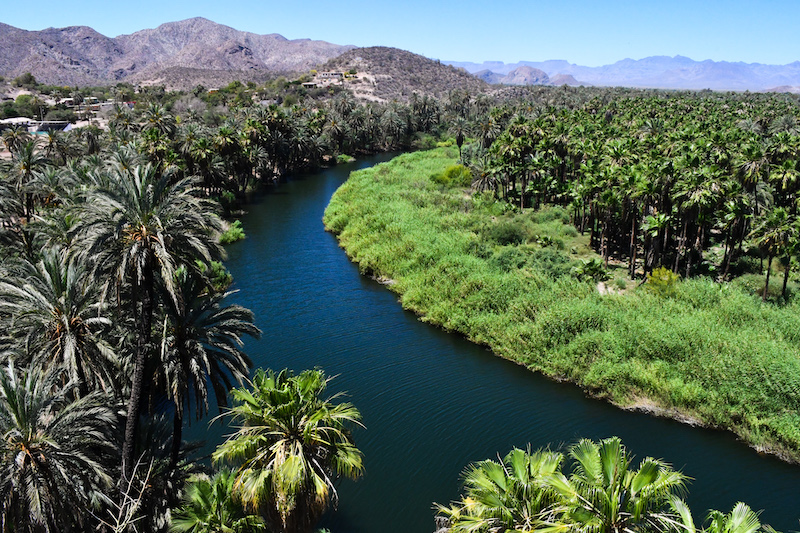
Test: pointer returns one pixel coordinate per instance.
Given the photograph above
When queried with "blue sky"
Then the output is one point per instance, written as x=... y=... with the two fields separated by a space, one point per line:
x=585 y=32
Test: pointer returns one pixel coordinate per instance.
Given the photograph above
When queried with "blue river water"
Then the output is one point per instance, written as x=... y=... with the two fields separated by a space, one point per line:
x=431 y=401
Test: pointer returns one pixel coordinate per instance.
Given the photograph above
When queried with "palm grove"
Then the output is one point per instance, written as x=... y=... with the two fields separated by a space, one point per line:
x=116 y=317
x=115 y=307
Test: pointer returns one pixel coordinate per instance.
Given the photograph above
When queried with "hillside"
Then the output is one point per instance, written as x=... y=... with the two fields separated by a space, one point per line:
x=79 y=55
x=393 y=74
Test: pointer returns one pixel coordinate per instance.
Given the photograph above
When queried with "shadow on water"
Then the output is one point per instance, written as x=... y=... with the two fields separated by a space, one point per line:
x=432 y=402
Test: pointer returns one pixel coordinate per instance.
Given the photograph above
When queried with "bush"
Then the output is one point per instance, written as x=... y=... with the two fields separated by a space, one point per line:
x=234 y=233
x=509 y=258
x=590 y=270
x=662 y=282
x=453 y=176
x=506 y=232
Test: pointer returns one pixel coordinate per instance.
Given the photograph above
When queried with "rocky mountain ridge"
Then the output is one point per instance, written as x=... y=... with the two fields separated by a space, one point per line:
x=78 y=55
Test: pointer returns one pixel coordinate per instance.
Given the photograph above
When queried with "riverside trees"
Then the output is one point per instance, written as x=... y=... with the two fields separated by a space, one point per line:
x=679 y=180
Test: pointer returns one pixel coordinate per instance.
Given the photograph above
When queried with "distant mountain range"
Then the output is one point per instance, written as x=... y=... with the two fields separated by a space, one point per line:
x=182 y=54
x=657 y=72
x=194 y=48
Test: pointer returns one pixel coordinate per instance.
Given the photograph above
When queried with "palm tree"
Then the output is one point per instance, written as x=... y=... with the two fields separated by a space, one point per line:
x=292 y=445
x=505 y=495
x=604 y=495
x=741 y=519
x=53 y=307
x=201 y=347
x=53 y=453
x=459 y=128
x=137 y=231
x=776 y=235
x=26 y=159
x=211 y=507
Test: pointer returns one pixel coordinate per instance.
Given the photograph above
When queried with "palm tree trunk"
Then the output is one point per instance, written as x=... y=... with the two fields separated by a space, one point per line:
x=766 y=285
x=177 y=435
x=632 y=252
x=146 y=290
x=786 y=277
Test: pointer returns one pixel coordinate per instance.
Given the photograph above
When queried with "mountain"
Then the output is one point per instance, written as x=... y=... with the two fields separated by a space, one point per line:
x=386 y=74
x=181 y=52
x=664 y=72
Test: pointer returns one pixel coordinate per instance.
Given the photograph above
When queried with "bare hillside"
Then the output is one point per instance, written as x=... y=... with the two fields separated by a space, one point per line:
x=392 y=74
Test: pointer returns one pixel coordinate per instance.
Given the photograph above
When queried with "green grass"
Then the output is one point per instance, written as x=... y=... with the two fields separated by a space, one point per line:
x=505 y=279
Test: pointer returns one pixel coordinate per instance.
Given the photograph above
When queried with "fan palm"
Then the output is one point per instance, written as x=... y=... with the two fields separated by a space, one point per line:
x=210 y=507
x=53 y=452
x=292 y=445
x=505 y=495
x=604 y=495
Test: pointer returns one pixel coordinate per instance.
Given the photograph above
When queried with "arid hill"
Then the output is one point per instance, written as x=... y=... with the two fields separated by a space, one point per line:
x=170 y=54
x=387 y=74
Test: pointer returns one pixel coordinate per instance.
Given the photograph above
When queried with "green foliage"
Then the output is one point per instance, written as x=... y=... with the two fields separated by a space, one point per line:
x=662 y=282
x=292 y=444
x=600 y=491
x=234 y=233
x=344 y=158
x=471 y=265
x=590 y=270
x=457 y=176
x=506 y=232
x=210 y=506
x=26 y=80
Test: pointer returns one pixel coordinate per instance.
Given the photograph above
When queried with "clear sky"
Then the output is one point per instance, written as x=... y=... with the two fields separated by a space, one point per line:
x=585 y=32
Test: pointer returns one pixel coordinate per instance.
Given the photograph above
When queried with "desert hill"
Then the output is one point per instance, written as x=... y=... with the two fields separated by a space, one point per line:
x=394 y=74
x=79 y=55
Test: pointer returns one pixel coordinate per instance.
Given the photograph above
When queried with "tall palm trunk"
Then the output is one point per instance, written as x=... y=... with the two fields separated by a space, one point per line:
x=766 y=284
x=177 y=435
x=144 y=322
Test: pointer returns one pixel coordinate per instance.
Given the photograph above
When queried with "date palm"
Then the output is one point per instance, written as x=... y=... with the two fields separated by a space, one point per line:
x=291 y=445
x=54 y=309
x=137 y=231
x=201 y=347
x=53 y=454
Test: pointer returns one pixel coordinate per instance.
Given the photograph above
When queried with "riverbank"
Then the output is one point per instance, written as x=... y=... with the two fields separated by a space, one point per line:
x=709 y=353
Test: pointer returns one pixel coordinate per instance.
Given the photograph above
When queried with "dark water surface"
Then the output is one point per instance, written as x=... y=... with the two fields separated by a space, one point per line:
x=431 y=401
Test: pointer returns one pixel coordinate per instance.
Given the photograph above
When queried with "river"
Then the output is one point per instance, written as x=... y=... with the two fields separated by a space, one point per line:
x=431 y=401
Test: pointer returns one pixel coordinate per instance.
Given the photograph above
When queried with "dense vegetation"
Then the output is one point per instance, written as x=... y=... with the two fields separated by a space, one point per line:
x=600 y=492
x=117 y=325
x=514 y=280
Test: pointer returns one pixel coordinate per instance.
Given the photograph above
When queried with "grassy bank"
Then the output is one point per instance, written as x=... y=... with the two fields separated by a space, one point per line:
x=707 y=352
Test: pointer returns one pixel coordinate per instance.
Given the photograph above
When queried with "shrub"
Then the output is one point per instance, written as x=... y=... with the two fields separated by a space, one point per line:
x=590 y=270
x=509 y=258
x=662 y=281
x=551 y=262
x=453 y=176
x=234 y=233
x=505 y=232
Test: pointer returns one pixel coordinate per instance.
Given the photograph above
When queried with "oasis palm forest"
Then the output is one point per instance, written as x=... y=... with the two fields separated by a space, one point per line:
x=641 y=244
